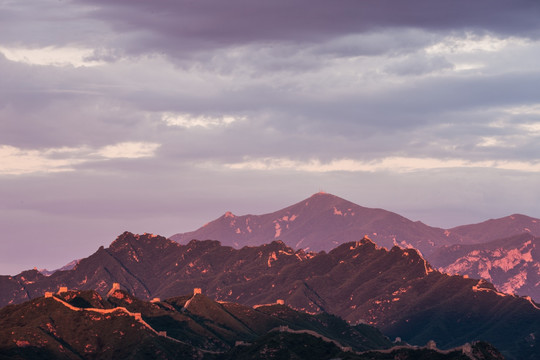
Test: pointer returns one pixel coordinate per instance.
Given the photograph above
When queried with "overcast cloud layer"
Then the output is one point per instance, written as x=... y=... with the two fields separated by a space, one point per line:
x=158 y=116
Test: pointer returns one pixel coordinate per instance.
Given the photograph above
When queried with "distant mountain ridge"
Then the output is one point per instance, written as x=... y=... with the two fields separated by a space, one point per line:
x=324 y=221
x=395 y=290
x=494 y=229
x=321 y=222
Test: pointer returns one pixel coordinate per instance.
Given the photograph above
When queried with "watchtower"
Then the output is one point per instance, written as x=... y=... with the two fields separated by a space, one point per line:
x=115 y=286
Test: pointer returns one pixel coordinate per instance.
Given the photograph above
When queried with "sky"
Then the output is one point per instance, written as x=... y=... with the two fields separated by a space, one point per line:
x=159 y=116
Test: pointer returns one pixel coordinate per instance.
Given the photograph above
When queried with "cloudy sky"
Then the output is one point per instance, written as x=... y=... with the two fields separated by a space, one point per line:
x=158 y=116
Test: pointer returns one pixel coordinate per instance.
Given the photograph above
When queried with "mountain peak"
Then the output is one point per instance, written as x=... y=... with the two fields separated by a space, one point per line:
x=130 y=242
x=123 y=238
x=321 y=193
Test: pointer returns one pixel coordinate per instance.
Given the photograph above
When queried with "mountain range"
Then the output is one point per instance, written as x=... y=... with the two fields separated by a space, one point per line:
x=396 y=290
x=85 y=325
x=324 y=221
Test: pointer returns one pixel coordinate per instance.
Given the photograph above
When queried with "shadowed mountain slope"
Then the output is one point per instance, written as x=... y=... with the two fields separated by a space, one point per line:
x=83 y=325
x=287 y=345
